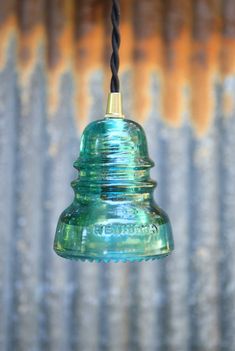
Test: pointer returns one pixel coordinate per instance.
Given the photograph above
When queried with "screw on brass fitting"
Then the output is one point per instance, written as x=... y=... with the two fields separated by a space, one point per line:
x=114 y=105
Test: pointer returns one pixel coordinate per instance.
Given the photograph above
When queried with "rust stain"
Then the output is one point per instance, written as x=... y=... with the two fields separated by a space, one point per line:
x=204 y=69
x=228 y=104
x=228 y=40
x=60 y=47
x=202 y=81
x=7 y=28
x=188 y=44
x=228 y=56
x=147 y=53
x=107 y=45
x=89 y=53
x=126 y=30
x=228 y=68
x=31 y=37
x=228 y=53
x=28 y=51
x=177 y=47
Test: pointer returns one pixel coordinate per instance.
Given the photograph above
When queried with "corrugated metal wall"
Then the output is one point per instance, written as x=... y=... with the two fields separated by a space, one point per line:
x=178 y=80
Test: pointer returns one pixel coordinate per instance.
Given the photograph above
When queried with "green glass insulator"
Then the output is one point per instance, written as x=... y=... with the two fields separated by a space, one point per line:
x=113 y=215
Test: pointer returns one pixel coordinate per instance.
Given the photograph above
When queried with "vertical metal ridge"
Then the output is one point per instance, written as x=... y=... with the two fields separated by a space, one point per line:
x=117 y=311
x=148 y=306
x=133 y=281
x=62 y=152
x=45 y=230
x=8 y=150
x=89 y=30
x=226 y=273
x=175 y=201
x=204 y=241
x=60 y=47
x=8 y=28
x=205 y=55
x=31 y=29
x=228 y=38
x=159 y=315
x=176 y=59
x=88 y=311
x=29 y=179
x=29 y=184
x=147 y=53
x=126 y=27
x=104 y=323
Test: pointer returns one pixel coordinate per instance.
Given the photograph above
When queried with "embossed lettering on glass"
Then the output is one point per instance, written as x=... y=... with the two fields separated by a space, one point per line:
x=113 y=215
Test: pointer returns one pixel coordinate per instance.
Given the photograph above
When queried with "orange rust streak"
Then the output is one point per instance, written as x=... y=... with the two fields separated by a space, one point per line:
x=228 y=56
x=89 y=58
x=7 y=29
x=29 y=43
x=227 y=61
x=32 y=34
x=203 y=77
x=126 y=29
x=64 y=58
x=228 y=68
x=179 y=59
x=89 y=48
x=228 y=40
x=28 y=56
x=148 y=48
x=177 y=31
x=175 y=78
x=228 y=104
x=205 y=63
x=31 y=37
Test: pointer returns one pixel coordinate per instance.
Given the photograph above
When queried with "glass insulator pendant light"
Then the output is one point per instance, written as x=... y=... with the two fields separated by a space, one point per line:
x=113 y=215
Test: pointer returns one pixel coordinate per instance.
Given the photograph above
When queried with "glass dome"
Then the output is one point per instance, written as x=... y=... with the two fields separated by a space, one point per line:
x=113 y=215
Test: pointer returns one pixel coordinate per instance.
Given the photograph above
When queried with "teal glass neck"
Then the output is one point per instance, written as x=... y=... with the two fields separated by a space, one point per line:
x=114 y=166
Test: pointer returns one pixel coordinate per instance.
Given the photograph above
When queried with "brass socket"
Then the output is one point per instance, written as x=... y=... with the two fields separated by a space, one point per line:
x=114 y=105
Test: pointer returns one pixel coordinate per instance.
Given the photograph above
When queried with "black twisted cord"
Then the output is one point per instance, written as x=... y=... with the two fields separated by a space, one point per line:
x=114 y=61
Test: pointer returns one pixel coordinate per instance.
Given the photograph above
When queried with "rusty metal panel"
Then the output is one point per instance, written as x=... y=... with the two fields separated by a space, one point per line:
x=178 y=80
